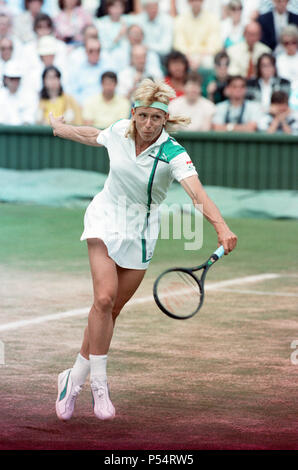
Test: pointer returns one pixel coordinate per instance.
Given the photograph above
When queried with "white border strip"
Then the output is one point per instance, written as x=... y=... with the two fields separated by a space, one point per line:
x=84 y=311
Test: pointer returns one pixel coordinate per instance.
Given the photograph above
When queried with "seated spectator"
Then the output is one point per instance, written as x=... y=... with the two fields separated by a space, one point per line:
x=131 y=6
x=273 y=22
x=106 y=107
x=193 y=105
x=84 y=79
x=244 y=55
x=122 y=56
x=261 y=88
x=6 y=31
x=197 y=35
x=280 y=118
x=43 y=26
x=47 y=54
x=132 y=75
x=53 y=99
x=112 y=27
x=215 y=82
x=287 y=62
x=232 y=27
x=18 y=104
x=23 y=23
x=177 y=69
x=6 y=54
x=157 y=27
x=77 y=55
x=236 y=113
x=70 y=22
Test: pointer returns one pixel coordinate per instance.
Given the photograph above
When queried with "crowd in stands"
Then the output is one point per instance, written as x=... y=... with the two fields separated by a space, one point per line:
x=232 y=63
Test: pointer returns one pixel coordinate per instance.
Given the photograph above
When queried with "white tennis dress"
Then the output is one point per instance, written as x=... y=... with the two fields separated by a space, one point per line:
x=125 y=213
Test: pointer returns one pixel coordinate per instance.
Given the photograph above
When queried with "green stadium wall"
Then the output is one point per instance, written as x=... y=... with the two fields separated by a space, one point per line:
x=249 y=161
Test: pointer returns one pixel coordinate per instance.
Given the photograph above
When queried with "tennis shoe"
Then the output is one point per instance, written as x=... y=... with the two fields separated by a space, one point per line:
x=102 y=405
x=67 y=395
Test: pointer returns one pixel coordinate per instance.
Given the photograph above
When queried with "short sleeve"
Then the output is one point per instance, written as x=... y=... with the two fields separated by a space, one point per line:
x=182 y=167
x=103 y=136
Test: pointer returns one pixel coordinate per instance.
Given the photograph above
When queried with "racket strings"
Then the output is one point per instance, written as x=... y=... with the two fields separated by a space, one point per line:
x=179 y=293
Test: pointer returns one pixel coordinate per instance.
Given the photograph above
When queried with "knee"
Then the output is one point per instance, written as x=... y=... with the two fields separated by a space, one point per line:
x=103 y=303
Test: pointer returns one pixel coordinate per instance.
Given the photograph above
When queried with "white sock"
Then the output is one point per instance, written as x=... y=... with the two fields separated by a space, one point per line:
x=80 y=370
x=98 y=367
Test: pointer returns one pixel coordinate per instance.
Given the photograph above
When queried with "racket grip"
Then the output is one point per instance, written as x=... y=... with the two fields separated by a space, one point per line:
x=219 y=252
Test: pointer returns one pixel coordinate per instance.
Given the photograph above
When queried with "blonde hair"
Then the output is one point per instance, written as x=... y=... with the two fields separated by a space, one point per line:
x=149 y=91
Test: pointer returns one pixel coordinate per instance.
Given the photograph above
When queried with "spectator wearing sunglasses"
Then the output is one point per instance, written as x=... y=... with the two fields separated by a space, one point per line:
x=287 y=62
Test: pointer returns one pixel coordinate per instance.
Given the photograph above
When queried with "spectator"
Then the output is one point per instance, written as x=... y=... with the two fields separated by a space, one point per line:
x=122 y=56
x=267 y=82
x=18 y=105
x=273 y=22
x=112 y=27
x=197 y=35
x=280 y=118
x=53 y=99
x=131 y=6
x=157 y=27
x=23 y=23
x=71 y=21
x=43 y=26
x=106 y=107
x=6 y=31
x=177 y=69
x=287 y=62
x=84 y=81
x=6 y=54
x=47 y=54
x=78 y=55
x=132 y=75
x=215 y=82
x=236 y=113
x=244 y=56
x=232 y=27
x=193 y=105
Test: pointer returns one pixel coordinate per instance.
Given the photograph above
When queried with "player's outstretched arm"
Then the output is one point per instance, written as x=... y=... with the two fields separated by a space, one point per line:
x=82 y=134
x=202 y=202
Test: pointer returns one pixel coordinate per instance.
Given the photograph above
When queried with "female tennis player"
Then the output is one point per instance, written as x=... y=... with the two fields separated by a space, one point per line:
x=144 y=160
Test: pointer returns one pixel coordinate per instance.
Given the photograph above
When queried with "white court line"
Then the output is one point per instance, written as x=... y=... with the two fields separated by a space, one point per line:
x=83 y=311
x=259 y=292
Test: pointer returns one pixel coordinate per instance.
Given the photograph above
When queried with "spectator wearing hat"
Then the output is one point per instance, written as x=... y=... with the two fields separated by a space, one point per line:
x=18 y=104
x=194 y=105
x=47 y=54
x=43 y=26
x=107 y=107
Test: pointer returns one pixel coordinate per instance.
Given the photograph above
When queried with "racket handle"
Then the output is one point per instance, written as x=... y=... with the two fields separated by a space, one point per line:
x=219 y=252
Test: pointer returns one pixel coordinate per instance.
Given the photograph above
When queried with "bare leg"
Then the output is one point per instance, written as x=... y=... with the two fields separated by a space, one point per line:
x=105 y=286
x=128 y=282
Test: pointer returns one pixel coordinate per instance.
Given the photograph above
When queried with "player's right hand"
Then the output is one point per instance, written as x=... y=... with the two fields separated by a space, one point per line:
x=54 y=122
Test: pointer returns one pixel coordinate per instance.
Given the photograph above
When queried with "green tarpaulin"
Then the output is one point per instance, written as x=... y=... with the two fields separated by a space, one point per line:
x=69 y=188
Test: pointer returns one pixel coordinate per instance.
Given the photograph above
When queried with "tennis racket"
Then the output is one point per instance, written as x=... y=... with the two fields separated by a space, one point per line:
x=179 y=292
